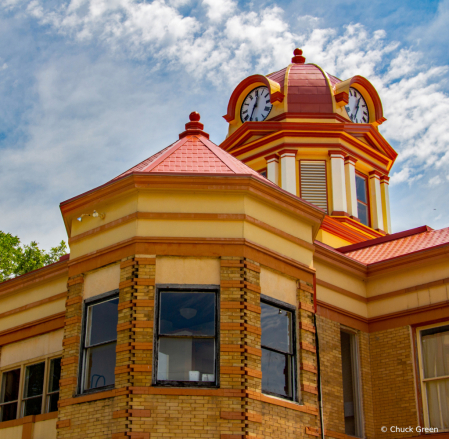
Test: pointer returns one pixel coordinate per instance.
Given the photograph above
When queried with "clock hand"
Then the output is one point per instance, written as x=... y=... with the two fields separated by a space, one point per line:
x=255 y=105
x=357 y=109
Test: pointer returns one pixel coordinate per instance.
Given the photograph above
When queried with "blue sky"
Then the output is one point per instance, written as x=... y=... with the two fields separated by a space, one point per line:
x=88 y=88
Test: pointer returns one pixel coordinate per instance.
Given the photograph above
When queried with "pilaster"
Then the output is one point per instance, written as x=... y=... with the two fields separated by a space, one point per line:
x=351 y=193
x=377 y=221
x=338 y=184
x=273 y=168
x=288 y=170
x=385 y=196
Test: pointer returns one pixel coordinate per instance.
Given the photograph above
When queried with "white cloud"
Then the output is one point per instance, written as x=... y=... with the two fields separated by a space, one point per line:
x=217 y=10
x=89 y=106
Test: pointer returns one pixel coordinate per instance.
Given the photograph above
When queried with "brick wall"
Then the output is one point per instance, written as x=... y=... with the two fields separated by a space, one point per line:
x=393 y=381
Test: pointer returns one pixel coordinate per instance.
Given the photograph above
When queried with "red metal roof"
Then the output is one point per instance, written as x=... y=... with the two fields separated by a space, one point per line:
x=193 y=153
x=400 y=247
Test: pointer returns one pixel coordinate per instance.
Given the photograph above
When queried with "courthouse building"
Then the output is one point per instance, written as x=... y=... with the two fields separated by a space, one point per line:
x=252 y=289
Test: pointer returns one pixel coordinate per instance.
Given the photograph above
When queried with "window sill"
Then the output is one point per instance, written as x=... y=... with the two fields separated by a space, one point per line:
x=28 y=420
x=88 y=397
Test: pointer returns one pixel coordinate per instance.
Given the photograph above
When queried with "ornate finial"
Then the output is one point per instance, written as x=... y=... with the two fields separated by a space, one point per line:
x=194 y=127
x=298 y=58
x=194 y=116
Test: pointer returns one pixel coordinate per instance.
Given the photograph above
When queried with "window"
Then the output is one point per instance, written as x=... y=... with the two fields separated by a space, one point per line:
x=351 y=386
x=361 y=184
x=38 y=393
x=263 y=172
x=434 y=373
x=99 y=343
x=10 y=395
x=314 y=182
x=278 y=365
x=186 y=338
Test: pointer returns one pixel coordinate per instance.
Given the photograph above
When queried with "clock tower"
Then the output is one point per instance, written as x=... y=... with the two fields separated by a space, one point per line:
x=317 y=137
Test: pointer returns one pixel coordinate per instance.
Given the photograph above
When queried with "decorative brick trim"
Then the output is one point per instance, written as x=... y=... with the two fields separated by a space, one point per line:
x=239 y=284
x=128 y=263
x=241 y=348
x=72 y=320
x=241 y=305
x=306 y=327
x=181 y=391
x=251 y=266
x=67 y=381
x=281 y=402
x=63 y=424
x=135 y=413
x=310 y=389
x=146 y=368
x=71 y=340
x=135 y=324
x=131 y=434
x=306 y=307
x=304 y=286
x=73 y=300
x=146 y=261
x=76 y=280
x=307 y=346
x=69 y=360
x=135 y=302
x=232 y=415
x=309 y=367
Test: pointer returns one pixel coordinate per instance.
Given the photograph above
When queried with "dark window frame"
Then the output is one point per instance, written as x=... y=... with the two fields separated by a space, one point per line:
x=366 y=178
x=104 y=297
x=22 y=376
x=294 y=378
x=181 y=288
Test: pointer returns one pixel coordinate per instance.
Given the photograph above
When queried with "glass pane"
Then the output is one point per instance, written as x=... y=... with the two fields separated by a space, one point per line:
x=34 y=380
x=52 y=402
x=360 y=184
x=435 y=349
x=55 y=375
x=362 y=213
x=102 y=323
x=187 y=314
x=10 y=386
x=100 y=365
x=276 y=328
x=186 y=359
x=438 y=402
x=276 y=373
x=8 y=412
x=32 y=406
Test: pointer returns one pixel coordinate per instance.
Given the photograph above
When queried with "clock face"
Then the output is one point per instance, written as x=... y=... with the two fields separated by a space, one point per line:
x=357 y=109
x=257 y=105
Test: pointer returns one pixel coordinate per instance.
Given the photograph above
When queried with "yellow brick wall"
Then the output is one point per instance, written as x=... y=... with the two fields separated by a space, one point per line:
x=393 y=381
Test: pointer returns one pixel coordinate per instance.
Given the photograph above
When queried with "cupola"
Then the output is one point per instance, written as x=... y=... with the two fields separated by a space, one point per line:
x=317 y=137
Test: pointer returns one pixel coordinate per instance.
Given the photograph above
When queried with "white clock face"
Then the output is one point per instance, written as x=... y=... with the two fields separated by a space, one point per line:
x=257 y=105
x=357 y=109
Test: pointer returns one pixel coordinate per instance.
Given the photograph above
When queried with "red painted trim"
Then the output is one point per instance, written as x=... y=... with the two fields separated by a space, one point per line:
x=378 y=110
x=274 y=97
x=385 y=179
x=375 y=174
x=376 y=241
x=272 y=156
x=342 y=97
x=336 y=152
x=287 y=151
x=290 y=115
x=350 y=159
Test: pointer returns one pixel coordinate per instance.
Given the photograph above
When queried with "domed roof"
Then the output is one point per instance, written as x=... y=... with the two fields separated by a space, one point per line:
x=308 y=90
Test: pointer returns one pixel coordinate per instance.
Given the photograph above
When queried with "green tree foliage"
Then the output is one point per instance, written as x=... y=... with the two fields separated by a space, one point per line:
x=16 y=259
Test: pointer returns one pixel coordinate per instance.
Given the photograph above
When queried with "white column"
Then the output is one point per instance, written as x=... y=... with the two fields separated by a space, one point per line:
x=351 y=194
x=375 y=197
x=288 y=170
x=384 y=192
x=339 y=206
x=273 y=168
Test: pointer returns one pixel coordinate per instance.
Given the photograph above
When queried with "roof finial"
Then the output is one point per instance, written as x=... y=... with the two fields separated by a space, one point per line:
x=194 y=127
x=194 y=116
x=298 y=58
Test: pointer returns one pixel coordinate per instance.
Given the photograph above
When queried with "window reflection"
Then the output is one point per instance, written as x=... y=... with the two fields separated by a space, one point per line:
x=187 y=337
x=277 y=351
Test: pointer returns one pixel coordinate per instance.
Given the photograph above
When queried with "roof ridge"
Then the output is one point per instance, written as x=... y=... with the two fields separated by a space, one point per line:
x=174 y=147
x=224 y=158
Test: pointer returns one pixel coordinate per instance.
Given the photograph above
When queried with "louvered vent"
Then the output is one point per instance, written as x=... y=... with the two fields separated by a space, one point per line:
x=313 y=182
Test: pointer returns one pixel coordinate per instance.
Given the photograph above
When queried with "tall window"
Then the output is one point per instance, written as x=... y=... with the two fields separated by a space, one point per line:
x=38 y=393
x=351 y=392
x=187 y=338
x=278 y=363
x=434 y=367
x=99 y=344
x=362 y=199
